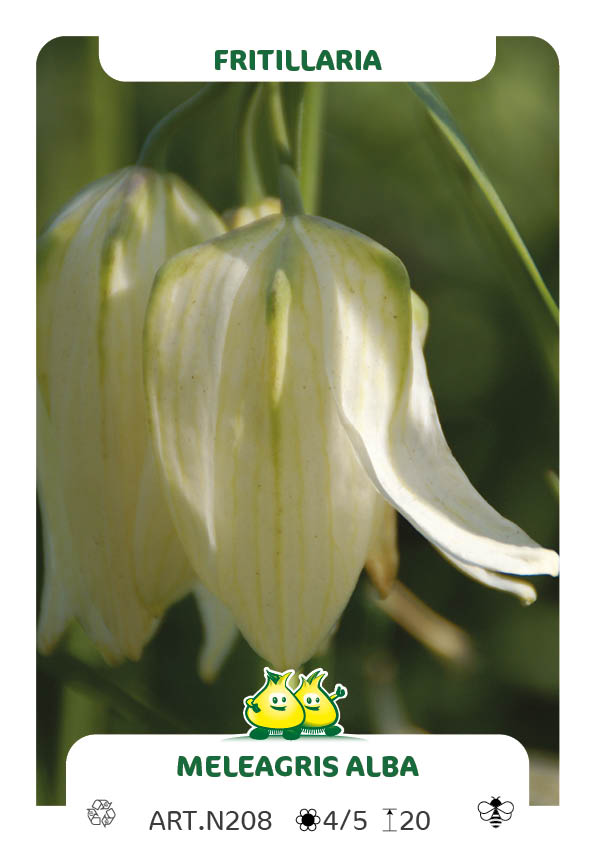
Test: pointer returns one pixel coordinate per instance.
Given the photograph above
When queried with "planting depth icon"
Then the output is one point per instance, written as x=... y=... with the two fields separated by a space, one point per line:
x=277 y=710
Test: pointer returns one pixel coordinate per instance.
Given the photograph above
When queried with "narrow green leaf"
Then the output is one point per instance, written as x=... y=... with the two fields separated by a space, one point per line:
x=154 y=150
x=442 y=117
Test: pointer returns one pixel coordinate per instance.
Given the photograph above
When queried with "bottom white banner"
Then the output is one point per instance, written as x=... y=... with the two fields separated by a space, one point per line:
x=358 y=786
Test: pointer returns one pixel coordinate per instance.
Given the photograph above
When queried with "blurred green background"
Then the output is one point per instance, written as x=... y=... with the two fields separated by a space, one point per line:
x=386 y=171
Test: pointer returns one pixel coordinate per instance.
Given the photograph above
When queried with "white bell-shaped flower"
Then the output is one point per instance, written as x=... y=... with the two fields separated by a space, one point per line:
x=289 y=403
x=112 y=557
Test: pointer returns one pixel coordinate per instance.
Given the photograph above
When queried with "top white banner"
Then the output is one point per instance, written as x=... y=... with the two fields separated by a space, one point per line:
x=246 y=53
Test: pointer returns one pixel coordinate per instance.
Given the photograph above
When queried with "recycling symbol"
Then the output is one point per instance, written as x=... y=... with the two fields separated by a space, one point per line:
x=101 y=812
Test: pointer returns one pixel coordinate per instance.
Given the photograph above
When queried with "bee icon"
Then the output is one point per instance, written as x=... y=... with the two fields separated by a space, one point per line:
x=495 y=811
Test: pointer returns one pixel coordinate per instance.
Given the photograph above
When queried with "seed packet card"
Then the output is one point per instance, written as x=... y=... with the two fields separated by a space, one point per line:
x=297 y=437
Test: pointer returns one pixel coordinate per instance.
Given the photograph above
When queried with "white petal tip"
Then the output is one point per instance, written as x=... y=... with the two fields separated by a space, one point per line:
x=554 y=564
x=547 y=563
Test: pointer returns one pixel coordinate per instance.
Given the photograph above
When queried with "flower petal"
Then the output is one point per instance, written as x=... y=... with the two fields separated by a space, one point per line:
x=71 y=367
x=220 y=634
x=97 y=262
x=163 y=573
x=257 y=465
x=188 y=320
x=388 y=410
x=510 y=584
x=420 y=317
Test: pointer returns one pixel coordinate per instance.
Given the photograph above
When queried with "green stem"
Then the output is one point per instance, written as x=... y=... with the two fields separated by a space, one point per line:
x=252 y=189
x=289 y=191
x=155 y=146
x=280 y=130
x=309 y=140
x=289 y=187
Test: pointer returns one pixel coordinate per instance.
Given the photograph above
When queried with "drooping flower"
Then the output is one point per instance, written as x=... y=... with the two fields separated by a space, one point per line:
x=289 y=404
x=382 y=559
x=112 y=557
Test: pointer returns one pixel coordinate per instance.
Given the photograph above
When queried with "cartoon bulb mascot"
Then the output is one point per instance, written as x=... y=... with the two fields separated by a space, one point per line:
x=274 y=709
x=322 y=713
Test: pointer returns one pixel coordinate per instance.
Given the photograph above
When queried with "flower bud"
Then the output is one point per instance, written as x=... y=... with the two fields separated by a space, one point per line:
x=245 y=215
x=112 y=558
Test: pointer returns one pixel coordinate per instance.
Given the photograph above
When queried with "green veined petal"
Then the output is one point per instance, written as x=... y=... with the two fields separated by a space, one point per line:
x=163 y=573
x=97 y=264
x=388 y=409
x=255 y=458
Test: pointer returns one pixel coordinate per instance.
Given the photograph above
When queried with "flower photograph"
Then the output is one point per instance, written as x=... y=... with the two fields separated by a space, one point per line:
x=297 y=401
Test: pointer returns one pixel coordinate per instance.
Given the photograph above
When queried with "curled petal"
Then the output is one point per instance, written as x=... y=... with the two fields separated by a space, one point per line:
x=387 y=407
x=509 y=584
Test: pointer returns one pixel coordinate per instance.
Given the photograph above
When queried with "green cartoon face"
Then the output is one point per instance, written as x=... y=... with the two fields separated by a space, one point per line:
x=319 y=707
x=274 y=706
